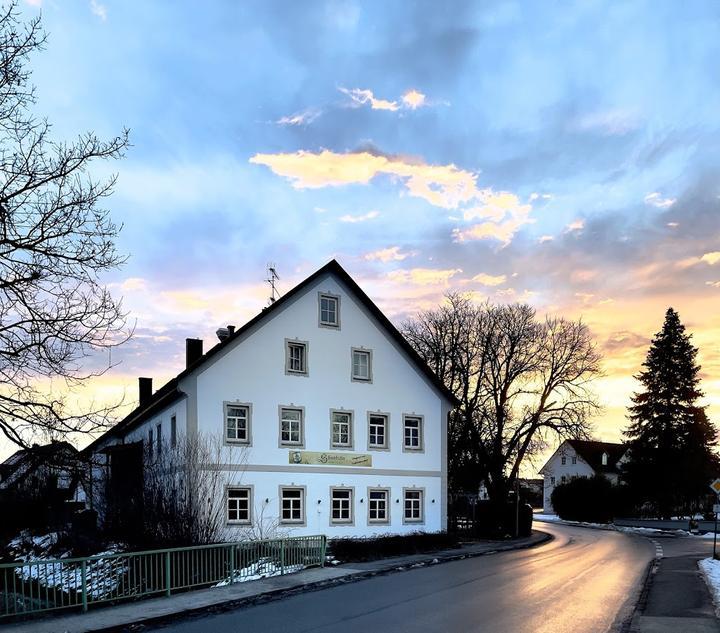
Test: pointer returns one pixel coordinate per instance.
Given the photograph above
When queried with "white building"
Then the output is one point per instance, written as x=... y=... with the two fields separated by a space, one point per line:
x=333 y=424
x=580 y=458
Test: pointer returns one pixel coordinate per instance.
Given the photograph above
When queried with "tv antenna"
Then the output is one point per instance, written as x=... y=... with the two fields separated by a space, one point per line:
x=272 y=279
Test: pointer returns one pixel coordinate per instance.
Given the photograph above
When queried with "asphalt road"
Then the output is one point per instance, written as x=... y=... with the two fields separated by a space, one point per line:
x=584 y=581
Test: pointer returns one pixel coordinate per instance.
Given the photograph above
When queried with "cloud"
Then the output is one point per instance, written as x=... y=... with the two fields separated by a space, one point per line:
x=391 y=254
x=100 y=10
x=656 y=200
x=353 y=219
x=714 y=284
x=673 y=225
x=305 y=117
x=444 y=186
x=711 y=258
x=545 y=238
x=134 y=283
x=414 y=99
x=34 y=3
x=489 y=280
x=423 y=276
x=616 y=122
x=361 y=97
x=576 y=225
x=441 y=185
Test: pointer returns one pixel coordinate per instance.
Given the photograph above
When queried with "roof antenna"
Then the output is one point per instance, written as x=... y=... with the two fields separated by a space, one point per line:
x=272 y=278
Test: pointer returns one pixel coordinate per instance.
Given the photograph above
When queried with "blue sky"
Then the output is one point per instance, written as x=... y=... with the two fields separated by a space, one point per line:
x=563 y=154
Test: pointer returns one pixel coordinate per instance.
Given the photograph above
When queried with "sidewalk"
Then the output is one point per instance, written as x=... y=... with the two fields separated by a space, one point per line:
x=156 y=610
x=675 y=598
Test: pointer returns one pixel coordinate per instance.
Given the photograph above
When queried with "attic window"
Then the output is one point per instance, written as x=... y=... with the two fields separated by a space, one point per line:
x=329 y=310
x=604 y=459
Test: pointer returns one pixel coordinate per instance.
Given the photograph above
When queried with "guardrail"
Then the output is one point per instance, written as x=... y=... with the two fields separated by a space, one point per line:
x=48 y=585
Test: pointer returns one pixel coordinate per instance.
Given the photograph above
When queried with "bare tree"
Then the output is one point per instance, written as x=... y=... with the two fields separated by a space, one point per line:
x=55 y=242
x=184 y=491
x=519 y=381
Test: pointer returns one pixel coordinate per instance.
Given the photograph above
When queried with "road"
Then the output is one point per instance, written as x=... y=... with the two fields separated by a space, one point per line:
x=580 y=582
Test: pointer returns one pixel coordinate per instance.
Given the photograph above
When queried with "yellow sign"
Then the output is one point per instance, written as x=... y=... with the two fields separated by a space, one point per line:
x=330 y=459
x=715 y=485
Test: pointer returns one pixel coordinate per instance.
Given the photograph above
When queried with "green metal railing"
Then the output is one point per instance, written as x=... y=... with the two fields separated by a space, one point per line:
x=47 y=585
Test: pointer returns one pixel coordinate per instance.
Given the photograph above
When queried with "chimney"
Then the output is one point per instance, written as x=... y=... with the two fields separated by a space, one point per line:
x=193 y=350
x=145 y=390
x=231 y=330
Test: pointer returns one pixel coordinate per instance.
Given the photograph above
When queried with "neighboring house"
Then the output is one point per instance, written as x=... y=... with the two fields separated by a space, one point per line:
x=41 y=486
x=333 y=423
x=580 y=458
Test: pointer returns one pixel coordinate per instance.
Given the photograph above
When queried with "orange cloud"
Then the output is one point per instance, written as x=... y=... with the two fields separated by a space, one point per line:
x=413 y=99
x=362 y=97
x=353 y=219
x=391 y=254
x=489 y=280
x=423 y=276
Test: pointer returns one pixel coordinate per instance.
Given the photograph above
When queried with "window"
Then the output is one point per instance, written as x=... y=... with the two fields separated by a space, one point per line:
x=238 y=505
x=574 y=459
x=378 y=506
x=329 y=308
x=563 y=460
x=361 y=365
x=173 y=431
x=292 y=505
x=552 y=481
x=150 y=442
x=604 y=459
x=412 y=433
x=413 y=506
x=237 y=423
x=291 y=427
x=563 y=479
x=341 y=432
x=296 y=358
x=341 y=500
x=377 y=430
x=158 y=438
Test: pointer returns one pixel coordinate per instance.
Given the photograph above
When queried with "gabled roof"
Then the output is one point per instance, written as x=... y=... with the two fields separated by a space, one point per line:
x=592 y=451
x=169 y=392
x=24 y=462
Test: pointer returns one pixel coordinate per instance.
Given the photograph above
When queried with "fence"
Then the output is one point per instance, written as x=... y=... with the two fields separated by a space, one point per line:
x=47 y=585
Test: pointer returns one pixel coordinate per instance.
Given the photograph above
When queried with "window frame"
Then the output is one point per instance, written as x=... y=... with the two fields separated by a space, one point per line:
x=236 y=442
x=173 y=430
x=293 y=372
x=151 y=442
x=285 y=444
x=251 y=493
x=378 y=414
x=303 y=505
x=343 y=447
x=340 y=522
x=421 y=433
x=327 y=324
x=158 y=438
x=388 y=505
x=421 y=520
x=369 y=354
x=563 y=460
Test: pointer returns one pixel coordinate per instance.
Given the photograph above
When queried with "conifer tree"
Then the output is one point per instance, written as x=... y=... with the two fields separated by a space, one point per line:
x=671 y=441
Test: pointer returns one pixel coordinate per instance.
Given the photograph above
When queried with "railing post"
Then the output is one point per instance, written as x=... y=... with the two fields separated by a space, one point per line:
x=83 y=584
x=282 y=557
x=232 y=563
x=323 y=549
x=168 y=580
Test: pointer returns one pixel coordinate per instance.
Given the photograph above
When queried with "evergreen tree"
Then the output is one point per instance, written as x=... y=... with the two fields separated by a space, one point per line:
x=671 y=441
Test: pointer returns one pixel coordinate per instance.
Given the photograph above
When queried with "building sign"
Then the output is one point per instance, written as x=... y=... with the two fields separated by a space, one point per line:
x=330 y=459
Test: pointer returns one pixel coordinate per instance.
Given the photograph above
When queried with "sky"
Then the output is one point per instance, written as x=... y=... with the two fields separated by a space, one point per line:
x=561 y=154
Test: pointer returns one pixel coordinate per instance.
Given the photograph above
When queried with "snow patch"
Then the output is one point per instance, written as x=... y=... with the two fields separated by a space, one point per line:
x=263 y=568
x=711 y=572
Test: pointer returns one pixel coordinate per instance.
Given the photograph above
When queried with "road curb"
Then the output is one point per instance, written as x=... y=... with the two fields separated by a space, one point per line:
x=279 y=594
x=630 y=625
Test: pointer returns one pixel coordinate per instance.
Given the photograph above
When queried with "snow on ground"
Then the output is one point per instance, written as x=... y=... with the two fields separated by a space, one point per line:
x=263 y=568
x=711 y=572
x=554 y=518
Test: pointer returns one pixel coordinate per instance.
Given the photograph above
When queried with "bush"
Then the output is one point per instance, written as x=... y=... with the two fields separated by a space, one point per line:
x=585 y=499
x=372 y=548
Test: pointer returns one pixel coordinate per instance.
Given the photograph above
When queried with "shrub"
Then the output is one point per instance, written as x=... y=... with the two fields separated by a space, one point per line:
x=372 y=548
x=585 y=499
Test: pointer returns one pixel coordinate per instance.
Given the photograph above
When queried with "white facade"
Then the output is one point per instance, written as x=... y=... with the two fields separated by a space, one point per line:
x=568 y=463
x=249 y=376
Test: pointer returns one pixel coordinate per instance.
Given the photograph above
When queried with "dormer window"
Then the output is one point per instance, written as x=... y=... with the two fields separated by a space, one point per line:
x=604 y=459
x=328 y=310
x=563 y=460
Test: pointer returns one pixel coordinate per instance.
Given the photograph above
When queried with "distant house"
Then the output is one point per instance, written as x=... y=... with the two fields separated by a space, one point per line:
x=41 y=485
x=580 y=458
x=332 y=422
